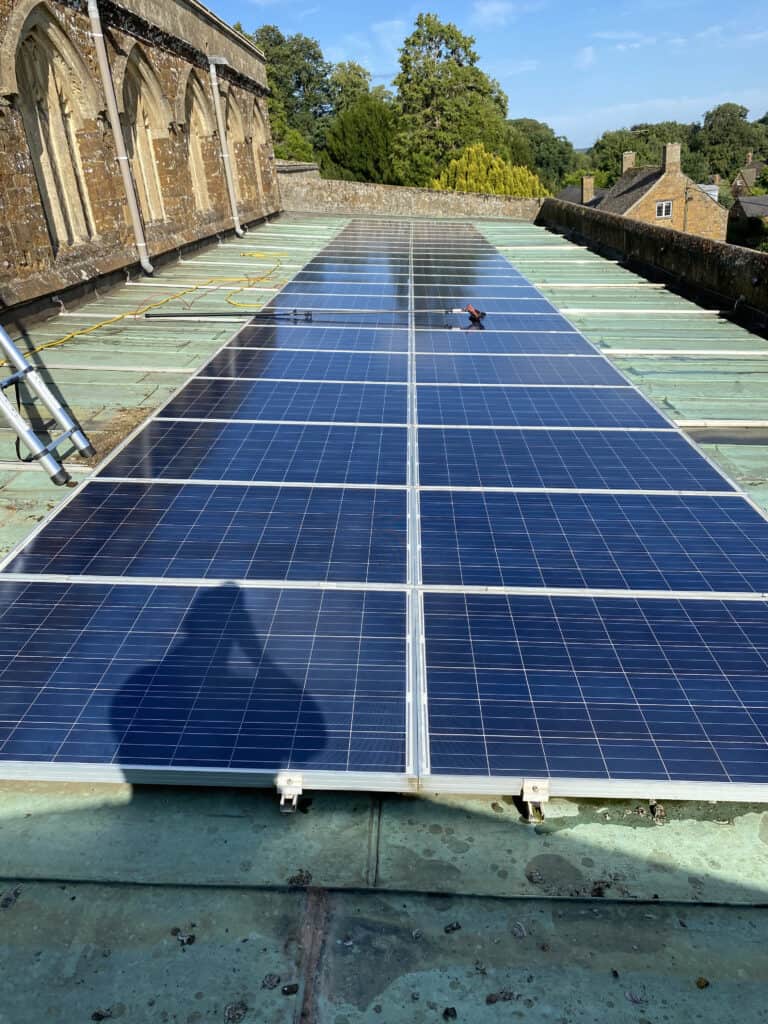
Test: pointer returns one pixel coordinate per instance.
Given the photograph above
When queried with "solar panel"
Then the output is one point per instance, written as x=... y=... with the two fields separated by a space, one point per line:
x=226 y=532
x=285 y=336
x=594 y=541
x=619 y=459
x=522 y=321
x=287 y=400
x=251 y=580
x=590 y=369
x=597 y=689
x=283 y=453
x=342 y=366
x=244 y=680
x=478 y=343
x=534 y=407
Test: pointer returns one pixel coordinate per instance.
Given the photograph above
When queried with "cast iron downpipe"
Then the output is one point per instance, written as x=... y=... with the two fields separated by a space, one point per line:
x=212 y=62
x=117 y=133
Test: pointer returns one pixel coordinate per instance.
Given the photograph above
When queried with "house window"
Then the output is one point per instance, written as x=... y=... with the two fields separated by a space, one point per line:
x=664 y=208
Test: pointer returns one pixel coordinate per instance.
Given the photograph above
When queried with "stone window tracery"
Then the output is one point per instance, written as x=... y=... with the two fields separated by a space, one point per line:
x=52 y=101
x=199 y=127
x=144 y=122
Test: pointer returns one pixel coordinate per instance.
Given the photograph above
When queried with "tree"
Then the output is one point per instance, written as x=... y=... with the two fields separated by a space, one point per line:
x=648 y=141
x=348 y=82
x=726 y=137
x=477 y=170
x=551 y=156
x=444 y=101
x=294 y=146
x=298 y=76
x=358 y=143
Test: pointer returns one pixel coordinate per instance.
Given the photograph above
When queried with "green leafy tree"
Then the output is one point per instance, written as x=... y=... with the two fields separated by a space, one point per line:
x=551 y=156
x=648 y=141
x=602 y=178
x=294 y=146
x=726 y=137
x=298 y=76
x=478 y=170
x=358 y=143
x=348 y=82
x=444 y=101
x=760 y=188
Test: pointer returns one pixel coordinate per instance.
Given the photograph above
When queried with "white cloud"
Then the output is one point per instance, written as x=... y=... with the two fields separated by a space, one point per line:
x=389 y=36
x=497 y=13
x=585 y=58
x=514 y=67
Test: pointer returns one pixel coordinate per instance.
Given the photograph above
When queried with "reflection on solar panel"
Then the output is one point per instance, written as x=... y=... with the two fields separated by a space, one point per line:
x=257 y=363
x=279 y=336
x=283 y=453
x=223 y=678
x=380 y=550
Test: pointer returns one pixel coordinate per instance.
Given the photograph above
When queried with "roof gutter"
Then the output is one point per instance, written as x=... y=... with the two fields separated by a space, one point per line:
x=212 y=62
x=117 y=133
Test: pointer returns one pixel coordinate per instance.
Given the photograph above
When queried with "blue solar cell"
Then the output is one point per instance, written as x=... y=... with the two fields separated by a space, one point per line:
x=224 y=532
x=464 y=369
x=178 y=677
x=618 y=459
x=636 y=542
x=534 y=407
x=608 y=689
x=290 y=336
x=502 y=342
x=306 y=453
x=304 y=365
x=284 y=400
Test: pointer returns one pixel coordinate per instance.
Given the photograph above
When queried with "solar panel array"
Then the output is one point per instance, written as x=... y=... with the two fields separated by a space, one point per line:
x=376 y=547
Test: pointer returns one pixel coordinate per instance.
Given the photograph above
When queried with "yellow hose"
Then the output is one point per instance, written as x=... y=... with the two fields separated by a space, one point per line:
x=243 y=282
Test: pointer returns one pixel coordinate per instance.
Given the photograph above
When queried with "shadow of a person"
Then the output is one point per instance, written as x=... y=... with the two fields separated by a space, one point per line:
x=217 y=698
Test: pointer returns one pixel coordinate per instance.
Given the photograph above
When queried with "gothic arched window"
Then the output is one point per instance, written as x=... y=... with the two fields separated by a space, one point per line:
x=199 y=122
x=54 y=94
x=146 y=120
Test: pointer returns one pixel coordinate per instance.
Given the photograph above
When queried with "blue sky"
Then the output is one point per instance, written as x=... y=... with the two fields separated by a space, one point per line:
x=582 y=67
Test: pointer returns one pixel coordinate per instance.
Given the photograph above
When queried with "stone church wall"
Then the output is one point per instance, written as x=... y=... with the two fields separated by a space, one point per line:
x=63 y=214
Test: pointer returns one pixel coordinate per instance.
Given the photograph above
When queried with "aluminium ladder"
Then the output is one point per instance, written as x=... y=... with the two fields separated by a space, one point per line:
x=39 y=451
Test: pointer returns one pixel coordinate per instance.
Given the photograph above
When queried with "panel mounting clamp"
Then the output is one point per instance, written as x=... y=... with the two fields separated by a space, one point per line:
x=535 y=793
x=290 y=787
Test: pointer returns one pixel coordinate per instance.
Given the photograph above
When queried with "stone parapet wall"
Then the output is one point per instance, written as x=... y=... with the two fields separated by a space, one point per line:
x=307 y=192
x=738 y=276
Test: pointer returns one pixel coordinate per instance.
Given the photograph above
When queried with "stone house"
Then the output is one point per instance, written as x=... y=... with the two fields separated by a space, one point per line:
x=66 y=212
x=659 y=195
x=748 y=221
x=744 y=181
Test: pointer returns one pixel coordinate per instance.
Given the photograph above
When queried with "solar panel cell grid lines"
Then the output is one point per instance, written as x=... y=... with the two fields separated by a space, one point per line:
x=246 y=584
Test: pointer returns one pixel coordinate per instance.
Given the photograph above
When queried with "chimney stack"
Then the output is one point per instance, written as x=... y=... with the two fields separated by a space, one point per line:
x=587 y=189
x=627 y=161
x=750 y=154
x=670 y=160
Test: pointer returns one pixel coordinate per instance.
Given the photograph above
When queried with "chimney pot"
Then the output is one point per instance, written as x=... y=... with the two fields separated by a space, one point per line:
x=587 y=189
x=627 y=161
x=671 y=158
